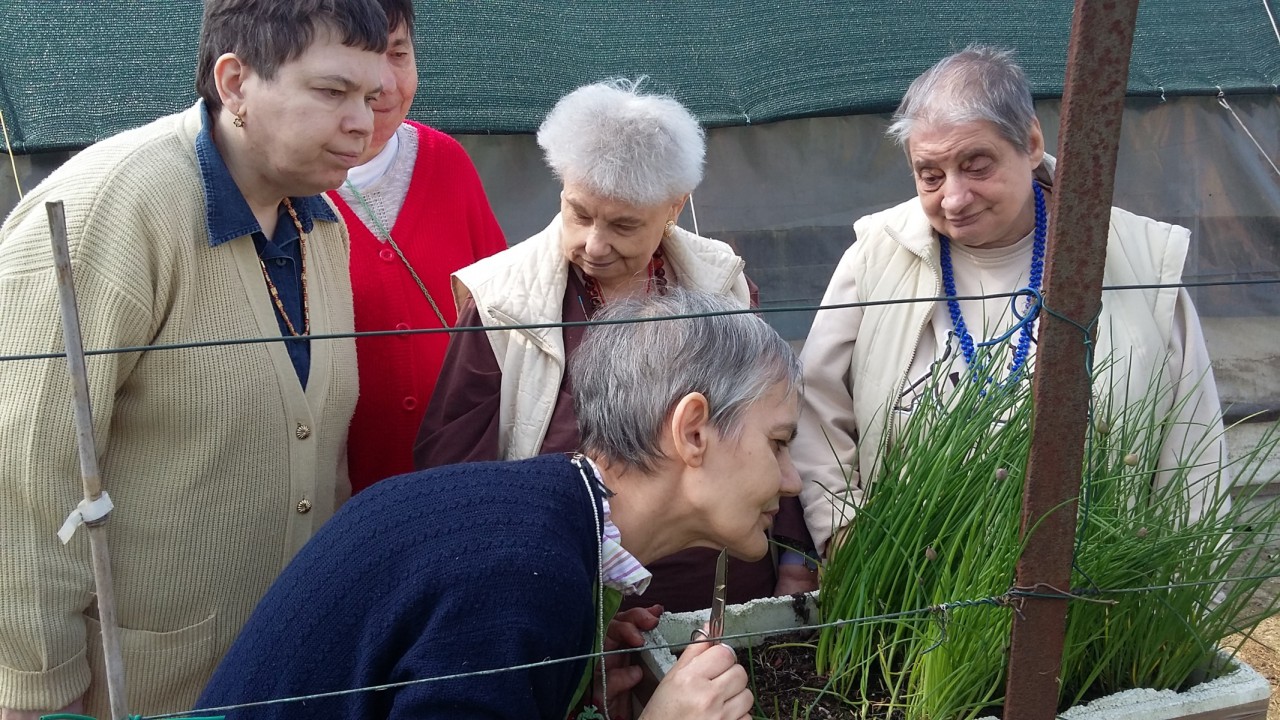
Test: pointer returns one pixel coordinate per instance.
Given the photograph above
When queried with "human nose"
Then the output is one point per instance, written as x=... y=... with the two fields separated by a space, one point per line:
x=388 y=78
x=790 y=484
x=955 y=194
x=359 y=120
x=596 y=245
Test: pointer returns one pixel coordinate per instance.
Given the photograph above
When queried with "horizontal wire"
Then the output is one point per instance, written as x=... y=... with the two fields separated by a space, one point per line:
x=592 y=323
x=1003 y=600
x=1006 y=599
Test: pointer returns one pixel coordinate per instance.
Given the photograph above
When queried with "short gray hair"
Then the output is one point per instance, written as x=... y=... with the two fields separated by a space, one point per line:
x=977 y=83
x=624 y=144
x=628 y=377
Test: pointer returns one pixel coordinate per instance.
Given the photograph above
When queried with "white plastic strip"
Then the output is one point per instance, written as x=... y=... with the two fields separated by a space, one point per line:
x=1272 y=18
x=1222 y=100
x=86 y=512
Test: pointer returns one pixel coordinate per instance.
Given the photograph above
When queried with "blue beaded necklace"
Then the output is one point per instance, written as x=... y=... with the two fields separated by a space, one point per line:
x=1027 y=319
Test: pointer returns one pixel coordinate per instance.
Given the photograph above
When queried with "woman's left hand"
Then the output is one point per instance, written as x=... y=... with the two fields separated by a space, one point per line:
x=795 y=579
x=624 y=632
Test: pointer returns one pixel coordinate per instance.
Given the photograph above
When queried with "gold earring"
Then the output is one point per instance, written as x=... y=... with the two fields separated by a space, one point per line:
x=666 y=231
x=237 y=121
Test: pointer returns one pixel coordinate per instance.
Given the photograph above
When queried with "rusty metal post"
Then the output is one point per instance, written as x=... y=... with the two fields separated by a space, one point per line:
x=1092 y=104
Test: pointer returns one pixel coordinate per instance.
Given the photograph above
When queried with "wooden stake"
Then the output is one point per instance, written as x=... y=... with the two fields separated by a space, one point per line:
x=89 y=476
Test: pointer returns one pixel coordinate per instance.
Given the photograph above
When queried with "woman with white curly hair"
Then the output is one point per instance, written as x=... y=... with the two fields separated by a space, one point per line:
x=628 y=160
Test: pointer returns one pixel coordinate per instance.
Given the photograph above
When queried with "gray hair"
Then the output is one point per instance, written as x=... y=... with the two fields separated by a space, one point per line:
x=624 y=144
x=628 y=377
x=977 y=83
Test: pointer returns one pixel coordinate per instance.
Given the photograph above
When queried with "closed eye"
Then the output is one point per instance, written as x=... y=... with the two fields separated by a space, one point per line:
x=978 y=165
x=930 y=179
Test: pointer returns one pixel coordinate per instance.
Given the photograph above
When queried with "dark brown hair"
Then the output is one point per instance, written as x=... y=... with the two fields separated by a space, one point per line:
x=266 y=34
x=398 y=12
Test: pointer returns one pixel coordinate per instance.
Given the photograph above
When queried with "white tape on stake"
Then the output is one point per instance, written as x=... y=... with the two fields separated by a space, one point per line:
x=86 y=512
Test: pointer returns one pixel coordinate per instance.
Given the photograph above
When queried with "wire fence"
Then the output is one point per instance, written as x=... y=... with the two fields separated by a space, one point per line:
x=1007 y=601
x=619 y=321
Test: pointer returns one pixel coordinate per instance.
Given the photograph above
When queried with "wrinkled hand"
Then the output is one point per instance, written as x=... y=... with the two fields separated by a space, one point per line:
x=706 y=683
x=795 y=579
x=624 y=632
x=75 y=708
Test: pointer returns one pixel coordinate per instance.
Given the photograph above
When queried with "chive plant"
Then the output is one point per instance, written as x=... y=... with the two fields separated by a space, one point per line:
x=940 y=526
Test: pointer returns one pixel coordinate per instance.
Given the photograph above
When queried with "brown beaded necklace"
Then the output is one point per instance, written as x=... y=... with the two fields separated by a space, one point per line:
x=657 y=281
x=271 y=287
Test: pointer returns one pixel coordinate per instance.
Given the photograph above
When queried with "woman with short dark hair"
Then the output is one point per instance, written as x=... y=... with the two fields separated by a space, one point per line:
x=417 y=213
x=205 y=225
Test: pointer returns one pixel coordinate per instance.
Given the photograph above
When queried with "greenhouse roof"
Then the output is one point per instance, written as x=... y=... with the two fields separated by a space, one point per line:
x=72 y=72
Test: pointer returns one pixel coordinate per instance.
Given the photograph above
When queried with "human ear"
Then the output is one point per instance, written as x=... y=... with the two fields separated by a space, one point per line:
x=690 y=425
x=229 y=76
x=678 y=208
x=1035 y=142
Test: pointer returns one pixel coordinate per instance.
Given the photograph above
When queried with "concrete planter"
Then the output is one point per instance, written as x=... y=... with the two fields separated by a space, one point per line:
x=1239 y=695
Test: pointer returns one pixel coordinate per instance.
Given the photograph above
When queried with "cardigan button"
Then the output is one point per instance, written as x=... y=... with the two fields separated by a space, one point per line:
x=410 y=402
x=402 y=327
x=304 y=506
x=386 y=254
x=303 y=432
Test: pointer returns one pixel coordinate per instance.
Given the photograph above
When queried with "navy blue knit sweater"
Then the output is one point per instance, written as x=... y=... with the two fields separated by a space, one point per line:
x=451 y=570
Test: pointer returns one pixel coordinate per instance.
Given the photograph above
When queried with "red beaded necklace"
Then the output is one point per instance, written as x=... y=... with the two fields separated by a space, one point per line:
x=657 y=281
x=271 y=287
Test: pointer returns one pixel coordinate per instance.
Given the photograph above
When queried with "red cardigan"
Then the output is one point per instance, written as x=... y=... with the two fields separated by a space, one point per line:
x=444 y=225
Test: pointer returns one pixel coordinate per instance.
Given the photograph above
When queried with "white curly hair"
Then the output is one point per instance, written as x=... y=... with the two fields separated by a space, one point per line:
x=624 y=144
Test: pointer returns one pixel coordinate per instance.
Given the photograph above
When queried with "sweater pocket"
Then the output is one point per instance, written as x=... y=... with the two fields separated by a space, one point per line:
x=164 y=671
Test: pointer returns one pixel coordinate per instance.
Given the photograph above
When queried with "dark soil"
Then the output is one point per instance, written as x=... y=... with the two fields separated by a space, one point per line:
x=786 y=685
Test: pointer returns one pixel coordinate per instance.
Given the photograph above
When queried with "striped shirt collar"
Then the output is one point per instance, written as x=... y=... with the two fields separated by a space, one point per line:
x=620 y=570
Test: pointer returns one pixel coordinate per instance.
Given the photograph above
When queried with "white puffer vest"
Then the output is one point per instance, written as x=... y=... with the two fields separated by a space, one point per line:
x=525 y=285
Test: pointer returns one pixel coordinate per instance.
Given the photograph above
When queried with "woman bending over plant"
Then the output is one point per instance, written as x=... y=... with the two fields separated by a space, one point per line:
x=515 y=567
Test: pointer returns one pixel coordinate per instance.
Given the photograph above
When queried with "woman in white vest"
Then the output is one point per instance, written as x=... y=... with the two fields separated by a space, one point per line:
x=628 y=161
x=977 y=227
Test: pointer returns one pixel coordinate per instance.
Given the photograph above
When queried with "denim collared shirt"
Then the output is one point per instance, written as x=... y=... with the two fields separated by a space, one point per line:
x=227 y=217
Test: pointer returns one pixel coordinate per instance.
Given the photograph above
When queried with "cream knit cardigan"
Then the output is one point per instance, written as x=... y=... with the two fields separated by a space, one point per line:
x=211 y=455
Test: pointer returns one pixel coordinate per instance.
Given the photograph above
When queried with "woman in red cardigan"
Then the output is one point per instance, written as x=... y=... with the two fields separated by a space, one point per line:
x=416 y=212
